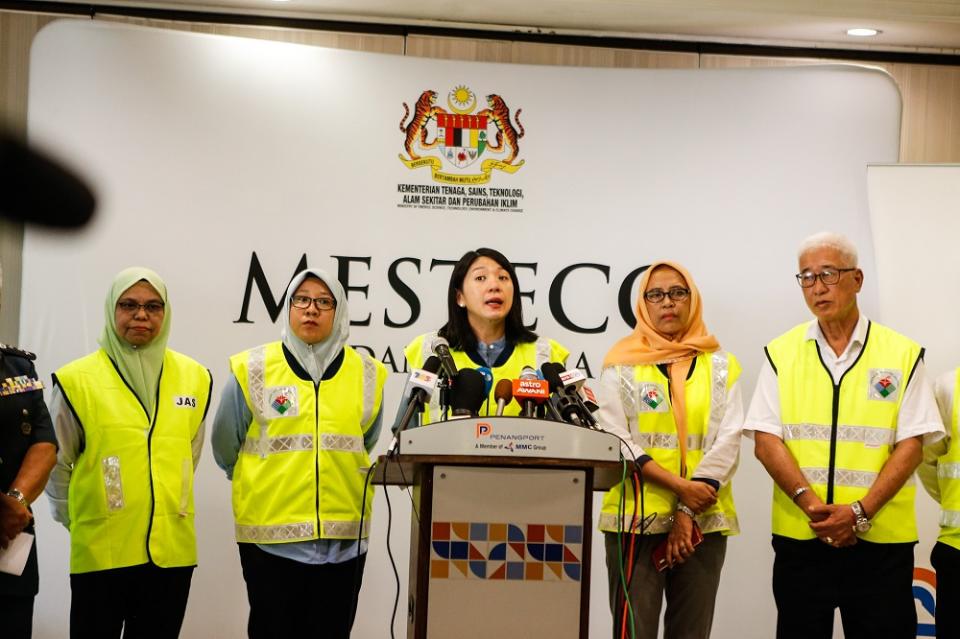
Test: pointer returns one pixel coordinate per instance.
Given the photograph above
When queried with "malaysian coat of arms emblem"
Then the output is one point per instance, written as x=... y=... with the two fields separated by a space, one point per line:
x=461 y=135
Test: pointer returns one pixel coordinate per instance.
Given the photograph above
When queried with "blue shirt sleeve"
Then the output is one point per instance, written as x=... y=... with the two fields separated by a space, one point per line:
x=230 y=426
x=373 y=433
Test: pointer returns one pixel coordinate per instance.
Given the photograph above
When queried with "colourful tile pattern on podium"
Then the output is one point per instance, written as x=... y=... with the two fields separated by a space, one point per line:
x=521 y=552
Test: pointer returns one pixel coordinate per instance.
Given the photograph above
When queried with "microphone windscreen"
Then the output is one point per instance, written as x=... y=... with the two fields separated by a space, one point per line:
x=487 y=379
x=528 y=372
x=432 y=364
x=438 y=342
x=551 y=372
x=467 y=391
x=37 y=190
x=504 y=391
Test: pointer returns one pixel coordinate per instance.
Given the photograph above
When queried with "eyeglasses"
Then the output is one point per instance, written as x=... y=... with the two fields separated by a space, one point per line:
x=131 y=307
x=676 y=293
x=828 y=276
x=303 y=302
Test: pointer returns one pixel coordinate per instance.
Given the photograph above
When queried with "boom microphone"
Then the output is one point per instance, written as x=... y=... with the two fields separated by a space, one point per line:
x=36 y=189
x=441 y=348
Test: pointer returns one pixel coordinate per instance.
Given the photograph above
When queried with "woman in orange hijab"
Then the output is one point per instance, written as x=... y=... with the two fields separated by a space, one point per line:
x=671 y=394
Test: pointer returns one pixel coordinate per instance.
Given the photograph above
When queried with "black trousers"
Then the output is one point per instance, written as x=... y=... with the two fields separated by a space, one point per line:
x=293 y=599
x=871 y=584
x=946 y=561
x=16 y=616
x=144 y=602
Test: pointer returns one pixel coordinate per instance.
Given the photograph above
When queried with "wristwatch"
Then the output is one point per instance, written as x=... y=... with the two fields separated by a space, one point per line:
x=16 y=494
x=683 y=508
x=863 y=524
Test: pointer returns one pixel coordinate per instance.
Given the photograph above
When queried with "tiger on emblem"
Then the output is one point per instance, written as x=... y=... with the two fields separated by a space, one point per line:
x=499 y=114
x=423 y=112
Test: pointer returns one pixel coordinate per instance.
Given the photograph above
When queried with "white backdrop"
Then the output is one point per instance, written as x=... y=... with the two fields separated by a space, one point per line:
x=207 y=149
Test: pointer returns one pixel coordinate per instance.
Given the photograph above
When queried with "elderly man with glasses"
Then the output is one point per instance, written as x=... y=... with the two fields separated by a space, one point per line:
x=839 y=416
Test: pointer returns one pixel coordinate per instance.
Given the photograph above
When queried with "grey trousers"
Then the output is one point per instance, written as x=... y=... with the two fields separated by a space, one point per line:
x=690 y=588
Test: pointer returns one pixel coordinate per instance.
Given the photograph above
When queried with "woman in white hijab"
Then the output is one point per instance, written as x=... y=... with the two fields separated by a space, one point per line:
x=293 y=432
x=129 y=420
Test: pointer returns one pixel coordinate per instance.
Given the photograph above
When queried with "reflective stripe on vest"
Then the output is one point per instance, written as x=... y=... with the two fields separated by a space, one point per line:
x=655 y=431
x=842 y=433
x=131 y=490
x=533 y=354
x=948 y=477
x=307 y=442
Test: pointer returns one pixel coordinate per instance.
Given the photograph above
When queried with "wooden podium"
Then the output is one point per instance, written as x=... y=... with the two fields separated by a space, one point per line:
x=502 y=525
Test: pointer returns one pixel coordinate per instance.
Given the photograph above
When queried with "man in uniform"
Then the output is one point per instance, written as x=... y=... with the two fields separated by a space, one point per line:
x=841 y=410
x=28 y=451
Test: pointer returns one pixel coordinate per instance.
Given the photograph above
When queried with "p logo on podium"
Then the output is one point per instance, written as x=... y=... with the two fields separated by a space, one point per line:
x=484 y=429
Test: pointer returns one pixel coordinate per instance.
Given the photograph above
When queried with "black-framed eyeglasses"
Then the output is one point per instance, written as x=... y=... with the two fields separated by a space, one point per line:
x=131 y=307
x=676 y=293
x=828 y=276
x=322 y=303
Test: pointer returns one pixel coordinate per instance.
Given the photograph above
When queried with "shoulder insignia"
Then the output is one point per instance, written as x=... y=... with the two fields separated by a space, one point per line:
x=17 y=352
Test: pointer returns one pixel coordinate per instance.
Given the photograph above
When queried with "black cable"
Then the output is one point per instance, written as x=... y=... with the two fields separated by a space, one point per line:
x=363 y=510
x=393 y=563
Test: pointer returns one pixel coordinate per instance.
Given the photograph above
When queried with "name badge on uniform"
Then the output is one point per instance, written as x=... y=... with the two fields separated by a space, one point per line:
x=19 y=384
x=184 y=401
x=653 y=399
x=281 y=402
x=884 y=384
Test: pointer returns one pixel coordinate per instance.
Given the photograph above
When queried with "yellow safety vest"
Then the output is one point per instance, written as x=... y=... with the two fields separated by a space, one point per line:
x=131 y=491
x=645 y=395
x=948 y=477
x=533 y=354
x=301 y=470
x=842 y=434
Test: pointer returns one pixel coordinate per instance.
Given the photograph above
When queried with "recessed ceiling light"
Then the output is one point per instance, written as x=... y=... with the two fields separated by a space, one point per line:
x=862 y=32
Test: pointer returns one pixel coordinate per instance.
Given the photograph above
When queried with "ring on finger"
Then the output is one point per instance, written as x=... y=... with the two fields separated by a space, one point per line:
x=829 y=540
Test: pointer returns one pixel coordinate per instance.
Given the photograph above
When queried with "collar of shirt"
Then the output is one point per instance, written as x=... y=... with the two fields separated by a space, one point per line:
x=490 y=352
x=839 y=363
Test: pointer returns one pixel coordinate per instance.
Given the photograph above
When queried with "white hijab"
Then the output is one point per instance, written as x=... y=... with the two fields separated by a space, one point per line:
x=317 y=357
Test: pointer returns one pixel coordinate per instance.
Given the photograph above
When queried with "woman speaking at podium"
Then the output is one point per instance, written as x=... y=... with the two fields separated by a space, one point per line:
x=672 y=395
x=485 y=327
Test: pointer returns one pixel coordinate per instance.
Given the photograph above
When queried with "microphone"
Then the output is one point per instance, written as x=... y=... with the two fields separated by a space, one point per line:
x=467 y=394
x=36 y=189
x=503 y=394
x=420 y=386
x=487 y=378
x=568 y=397
x=529 y=391
x=441 y=348
x=589 y=399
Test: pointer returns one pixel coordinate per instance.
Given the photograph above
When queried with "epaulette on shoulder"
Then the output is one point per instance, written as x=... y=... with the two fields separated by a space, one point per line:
x=17 y=352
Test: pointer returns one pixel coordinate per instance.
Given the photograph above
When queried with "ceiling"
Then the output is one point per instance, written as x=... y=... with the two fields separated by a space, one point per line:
x=924 y=26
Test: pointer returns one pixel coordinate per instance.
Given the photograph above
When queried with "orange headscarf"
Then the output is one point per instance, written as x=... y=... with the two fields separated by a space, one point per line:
x=646 y=346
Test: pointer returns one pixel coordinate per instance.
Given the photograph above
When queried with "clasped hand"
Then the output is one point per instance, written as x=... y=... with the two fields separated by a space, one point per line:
x=833 y=523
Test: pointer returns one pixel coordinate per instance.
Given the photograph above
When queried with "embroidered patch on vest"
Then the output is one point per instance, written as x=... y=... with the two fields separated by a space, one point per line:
x=653 y=399
x=184 y=401
x=282 y=402
x=884 y=384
